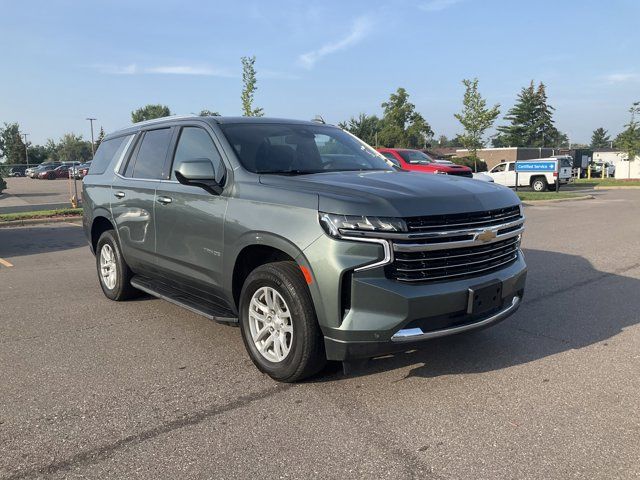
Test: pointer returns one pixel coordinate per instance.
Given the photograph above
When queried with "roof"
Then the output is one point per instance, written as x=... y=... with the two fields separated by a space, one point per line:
x=219 y=120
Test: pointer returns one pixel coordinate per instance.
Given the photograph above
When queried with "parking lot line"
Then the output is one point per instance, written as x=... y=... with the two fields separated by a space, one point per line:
x=6 y=263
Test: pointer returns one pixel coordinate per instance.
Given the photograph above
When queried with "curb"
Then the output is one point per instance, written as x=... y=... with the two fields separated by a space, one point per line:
x=38 y=221
x=557 y=200
x=616 y=187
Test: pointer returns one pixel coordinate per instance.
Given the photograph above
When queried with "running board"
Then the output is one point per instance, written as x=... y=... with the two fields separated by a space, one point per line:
x=211 y=310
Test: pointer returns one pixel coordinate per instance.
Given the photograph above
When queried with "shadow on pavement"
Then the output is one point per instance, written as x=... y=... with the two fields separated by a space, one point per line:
x=17 y=242
x=568 y=305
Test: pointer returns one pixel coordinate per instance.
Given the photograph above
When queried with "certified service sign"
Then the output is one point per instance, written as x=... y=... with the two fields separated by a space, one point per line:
x=542 y=166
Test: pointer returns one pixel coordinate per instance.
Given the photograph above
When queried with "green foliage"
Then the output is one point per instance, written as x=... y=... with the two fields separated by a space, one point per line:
x=472 y=162
x=364 y=127
x=208 y=113
x=249 y=87
x=149 y=112
x=475 y=118
x=64 y=212
x=531 y=122
x=443 y=141
x=402 y=126
x=72 y=148
x=628 y=141
x=100 y=138
x=11 y=144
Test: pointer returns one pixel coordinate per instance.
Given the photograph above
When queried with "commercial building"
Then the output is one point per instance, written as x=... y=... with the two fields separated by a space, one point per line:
x=624 y=168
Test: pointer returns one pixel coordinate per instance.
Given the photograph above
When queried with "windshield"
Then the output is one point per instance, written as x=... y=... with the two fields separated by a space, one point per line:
x=300 y=149
x=415 y=156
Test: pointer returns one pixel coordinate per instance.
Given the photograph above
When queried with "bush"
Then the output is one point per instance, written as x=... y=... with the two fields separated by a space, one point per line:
x=469 y=162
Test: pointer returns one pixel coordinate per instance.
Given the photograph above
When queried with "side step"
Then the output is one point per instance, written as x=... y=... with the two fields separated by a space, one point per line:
x=206 y=308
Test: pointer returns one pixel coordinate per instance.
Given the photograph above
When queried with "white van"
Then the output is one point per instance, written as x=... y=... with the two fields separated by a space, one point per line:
x=505 y=173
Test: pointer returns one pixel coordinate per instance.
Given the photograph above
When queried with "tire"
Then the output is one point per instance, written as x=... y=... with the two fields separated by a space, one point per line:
x=552 y=187
x=539 y=184
x=306 y=355
x=119 y=286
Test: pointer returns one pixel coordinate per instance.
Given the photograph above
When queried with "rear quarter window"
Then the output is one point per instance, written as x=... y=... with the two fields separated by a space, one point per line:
x=107 y=152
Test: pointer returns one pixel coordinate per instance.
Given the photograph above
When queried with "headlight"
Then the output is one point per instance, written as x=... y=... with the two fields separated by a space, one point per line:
x=336 y=225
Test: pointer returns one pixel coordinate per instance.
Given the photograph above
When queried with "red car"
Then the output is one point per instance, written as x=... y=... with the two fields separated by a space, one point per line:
x=51 y=174
x=417 y=161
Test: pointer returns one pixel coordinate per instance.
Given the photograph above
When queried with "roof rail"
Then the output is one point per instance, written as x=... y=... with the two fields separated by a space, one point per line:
x=162 y=119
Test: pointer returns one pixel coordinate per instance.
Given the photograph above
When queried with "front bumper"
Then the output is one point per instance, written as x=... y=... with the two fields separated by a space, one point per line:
x=386 y=316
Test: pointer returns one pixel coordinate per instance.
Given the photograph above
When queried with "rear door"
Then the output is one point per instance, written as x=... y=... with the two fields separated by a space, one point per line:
x=133 y=197
x=190 y=220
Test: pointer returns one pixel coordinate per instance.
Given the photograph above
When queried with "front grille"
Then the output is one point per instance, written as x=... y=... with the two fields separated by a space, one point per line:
x=455 y=263
x=456 y=246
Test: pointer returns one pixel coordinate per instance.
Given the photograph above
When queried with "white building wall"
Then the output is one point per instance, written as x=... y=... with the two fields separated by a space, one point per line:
x=622 y=166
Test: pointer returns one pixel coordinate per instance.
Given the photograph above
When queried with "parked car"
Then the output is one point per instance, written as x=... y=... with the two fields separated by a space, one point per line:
x=43 y=167
x=609 y=169
x=61 y=171
x=483 y=177
x=303 y=235
x=78 y=169
x=417 y=161
x=505 y=174
x=17 y=171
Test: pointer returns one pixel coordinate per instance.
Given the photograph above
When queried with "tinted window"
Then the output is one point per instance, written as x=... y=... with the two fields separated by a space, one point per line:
x=152 y=154
x=107 y=151
x=512 y=167
x=299 y=148
x=195 y=143
x=391 y=158
x=499 y=168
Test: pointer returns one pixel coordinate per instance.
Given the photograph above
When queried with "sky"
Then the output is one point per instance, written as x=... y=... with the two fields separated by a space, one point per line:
x=63 y=61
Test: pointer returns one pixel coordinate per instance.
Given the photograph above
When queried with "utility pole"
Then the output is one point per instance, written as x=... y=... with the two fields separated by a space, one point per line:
x=26 y=148
x=93 y=144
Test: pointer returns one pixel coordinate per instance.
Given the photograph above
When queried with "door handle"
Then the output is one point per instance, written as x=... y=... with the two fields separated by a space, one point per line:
x=164 y=200
x=119 y=194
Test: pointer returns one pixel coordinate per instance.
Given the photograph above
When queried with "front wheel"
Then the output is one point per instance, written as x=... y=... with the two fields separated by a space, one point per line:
x=279 y=325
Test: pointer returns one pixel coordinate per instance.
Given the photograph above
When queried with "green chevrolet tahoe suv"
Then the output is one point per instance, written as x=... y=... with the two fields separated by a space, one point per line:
x=302 y=234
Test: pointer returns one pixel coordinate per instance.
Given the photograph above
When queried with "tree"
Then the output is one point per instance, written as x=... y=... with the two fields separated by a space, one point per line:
x=600 y=138
x=208 y=113
x=364 y=126
x=11 y=144
x=100 y=138
x=628 y=141
x=402 y=126
x=475 y=118
x=531 y=121
x=149 y=112
x=249 y=87
x=72 y=148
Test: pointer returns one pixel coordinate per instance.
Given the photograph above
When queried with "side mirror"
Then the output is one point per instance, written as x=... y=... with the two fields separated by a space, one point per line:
x=199 y=172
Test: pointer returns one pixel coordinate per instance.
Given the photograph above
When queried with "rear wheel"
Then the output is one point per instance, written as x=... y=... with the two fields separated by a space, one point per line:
x=113 y=272
x=279 y=325
x=539 y=184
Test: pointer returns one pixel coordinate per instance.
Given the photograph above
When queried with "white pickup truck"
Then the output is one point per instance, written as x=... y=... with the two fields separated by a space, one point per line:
x=505 y=173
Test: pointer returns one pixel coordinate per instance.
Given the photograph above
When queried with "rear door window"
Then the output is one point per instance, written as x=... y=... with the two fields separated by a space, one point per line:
x=151 y=156
x=108 y=151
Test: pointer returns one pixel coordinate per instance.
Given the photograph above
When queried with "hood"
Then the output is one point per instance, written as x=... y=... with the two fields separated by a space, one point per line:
x=396 y=194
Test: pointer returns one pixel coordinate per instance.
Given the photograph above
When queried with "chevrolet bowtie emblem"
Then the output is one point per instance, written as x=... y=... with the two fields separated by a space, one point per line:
x=487 y=236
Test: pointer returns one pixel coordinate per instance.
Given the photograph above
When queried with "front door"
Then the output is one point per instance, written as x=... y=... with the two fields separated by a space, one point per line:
x=133 y=197
x=190 y=220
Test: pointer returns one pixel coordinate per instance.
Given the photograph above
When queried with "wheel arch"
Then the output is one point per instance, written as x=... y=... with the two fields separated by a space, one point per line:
x=99 y=225
x=255 y=249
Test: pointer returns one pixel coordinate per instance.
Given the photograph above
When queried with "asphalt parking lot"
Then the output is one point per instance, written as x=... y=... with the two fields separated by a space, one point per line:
x=26 y=194
x=97 y=389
